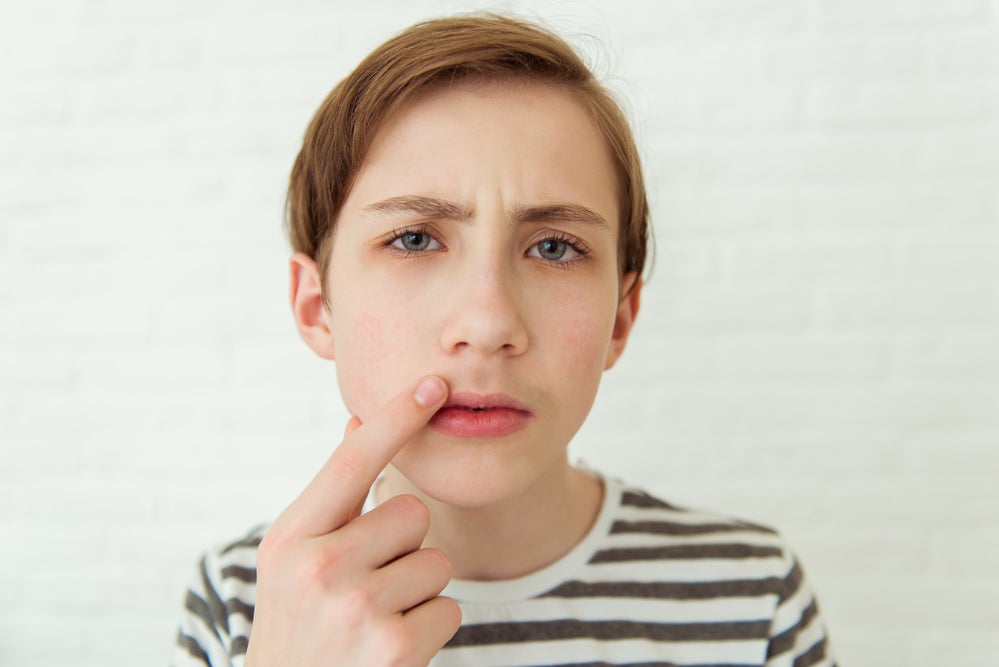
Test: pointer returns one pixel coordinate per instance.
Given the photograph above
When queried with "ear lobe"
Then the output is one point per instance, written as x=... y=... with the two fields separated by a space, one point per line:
x=624 y=320
x=306 y=297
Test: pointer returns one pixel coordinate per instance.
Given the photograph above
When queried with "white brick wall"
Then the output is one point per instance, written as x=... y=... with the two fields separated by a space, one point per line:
x=817 y=347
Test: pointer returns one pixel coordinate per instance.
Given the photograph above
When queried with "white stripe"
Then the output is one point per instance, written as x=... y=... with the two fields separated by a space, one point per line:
x=807 y=638
x=811 y=636
x=192 y=626
x=632 y=609
x=789 y=612
x=629 y=540
x=682 y=571
x=589 y=650
x=240 y=557
x=681 y=516
x=239 y=590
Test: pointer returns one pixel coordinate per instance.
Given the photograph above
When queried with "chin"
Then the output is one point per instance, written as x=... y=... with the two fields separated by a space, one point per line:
x=470 y=475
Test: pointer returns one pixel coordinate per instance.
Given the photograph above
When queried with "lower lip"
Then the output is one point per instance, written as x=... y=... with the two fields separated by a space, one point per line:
x=491 y=423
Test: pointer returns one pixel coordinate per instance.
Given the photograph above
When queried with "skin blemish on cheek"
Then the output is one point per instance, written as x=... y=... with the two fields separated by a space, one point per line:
x=585 y=338
x=370 y=327
x=579 y=348
x=361 y=363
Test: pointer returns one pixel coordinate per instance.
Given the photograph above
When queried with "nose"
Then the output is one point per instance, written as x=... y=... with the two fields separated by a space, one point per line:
x=484 y=315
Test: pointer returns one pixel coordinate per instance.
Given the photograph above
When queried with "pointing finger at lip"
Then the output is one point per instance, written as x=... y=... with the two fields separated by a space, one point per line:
x=341 y=485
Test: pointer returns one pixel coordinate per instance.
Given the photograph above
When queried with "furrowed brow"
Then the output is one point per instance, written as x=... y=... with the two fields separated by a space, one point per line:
x=427 y=207
x=575 y=213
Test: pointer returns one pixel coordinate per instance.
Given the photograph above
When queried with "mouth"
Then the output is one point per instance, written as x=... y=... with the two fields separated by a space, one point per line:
x=464 y=400
x=469 y=415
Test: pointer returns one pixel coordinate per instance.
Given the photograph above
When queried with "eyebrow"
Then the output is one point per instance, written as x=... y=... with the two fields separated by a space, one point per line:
x=429 y=207
x=435 y=207
x=563 y=212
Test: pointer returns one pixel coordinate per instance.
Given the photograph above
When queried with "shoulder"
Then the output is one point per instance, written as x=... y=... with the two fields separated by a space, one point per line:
x=736 y=558
x=640 y=512
x=219 y=603
x=697 y=545
x=235 y=558
x=237 y=549
x=229 y=569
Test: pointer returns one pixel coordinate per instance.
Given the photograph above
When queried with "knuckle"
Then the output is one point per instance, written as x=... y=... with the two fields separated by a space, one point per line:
x=399 y=642
x=332 y=554
x=323 y=564
x=357 y=605
x=346 y=465
x=311 y=576
x=273 y=548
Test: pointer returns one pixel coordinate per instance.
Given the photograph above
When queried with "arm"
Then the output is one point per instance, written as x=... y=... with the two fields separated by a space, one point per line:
x=334 y=587
x=798 y=636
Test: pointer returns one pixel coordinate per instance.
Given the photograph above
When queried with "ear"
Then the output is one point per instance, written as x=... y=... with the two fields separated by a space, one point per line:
x=627 y=311
x=306 y=298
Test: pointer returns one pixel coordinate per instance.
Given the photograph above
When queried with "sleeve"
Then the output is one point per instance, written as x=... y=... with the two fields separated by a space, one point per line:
x=203 y=633
x=798 y=636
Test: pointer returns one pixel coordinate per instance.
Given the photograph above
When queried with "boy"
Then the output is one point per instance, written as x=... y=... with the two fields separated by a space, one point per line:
x=469 y=221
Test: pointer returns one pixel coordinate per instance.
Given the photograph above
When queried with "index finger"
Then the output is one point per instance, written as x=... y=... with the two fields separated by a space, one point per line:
x=345 y=479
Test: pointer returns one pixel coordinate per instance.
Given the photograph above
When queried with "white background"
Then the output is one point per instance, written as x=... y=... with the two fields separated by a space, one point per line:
x=817 y=348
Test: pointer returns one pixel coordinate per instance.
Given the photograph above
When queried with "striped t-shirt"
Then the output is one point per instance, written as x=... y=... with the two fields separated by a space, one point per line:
x=651 y=584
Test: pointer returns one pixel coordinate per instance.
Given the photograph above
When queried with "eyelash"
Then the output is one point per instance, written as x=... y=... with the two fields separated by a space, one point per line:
x=578 y=246
x=575 y=244
x=395 y=235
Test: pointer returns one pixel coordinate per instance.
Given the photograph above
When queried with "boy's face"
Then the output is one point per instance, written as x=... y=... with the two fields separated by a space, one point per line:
x=479 y=243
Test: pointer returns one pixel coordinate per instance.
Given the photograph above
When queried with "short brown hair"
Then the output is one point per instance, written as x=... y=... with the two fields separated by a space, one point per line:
x=482 y=47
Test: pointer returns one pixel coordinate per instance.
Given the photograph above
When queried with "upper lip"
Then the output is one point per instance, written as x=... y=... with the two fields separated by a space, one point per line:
x=471 y=401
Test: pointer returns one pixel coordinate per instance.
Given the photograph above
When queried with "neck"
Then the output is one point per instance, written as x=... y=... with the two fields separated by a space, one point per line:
x=516 y=536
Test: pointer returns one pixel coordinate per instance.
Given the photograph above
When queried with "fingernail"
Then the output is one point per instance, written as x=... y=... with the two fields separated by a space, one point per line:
x=430 y=391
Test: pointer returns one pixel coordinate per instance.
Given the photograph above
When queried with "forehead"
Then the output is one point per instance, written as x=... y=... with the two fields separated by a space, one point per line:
x=534 y=141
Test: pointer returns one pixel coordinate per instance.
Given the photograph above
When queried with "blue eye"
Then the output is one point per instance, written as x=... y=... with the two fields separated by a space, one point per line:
x=415 y=242
x=554 y=250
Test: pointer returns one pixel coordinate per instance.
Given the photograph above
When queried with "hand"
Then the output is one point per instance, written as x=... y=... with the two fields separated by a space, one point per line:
x=335 y=587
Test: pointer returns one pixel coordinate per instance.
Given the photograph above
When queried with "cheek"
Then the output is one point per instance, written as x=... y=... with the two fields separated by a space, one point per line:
x=584 y=349
x=583 y=337
x=368 y=368
x=581 y=351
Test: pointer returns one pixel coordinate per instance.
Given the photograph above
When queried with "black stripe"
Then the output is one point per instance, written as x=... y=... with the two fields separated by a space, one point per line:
x=214 y=600
x=672 y=528
x=197 y=606
x=784 y=642
x=190 y=644
x=728 y=551
x=651 y=664
x=235 y=606
x=500 y=633
x=642 y=499
x=251 y=541
x=238 y=646
x=247 y=574
x=695 y=590
x=812 y=655
x=792 y=582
